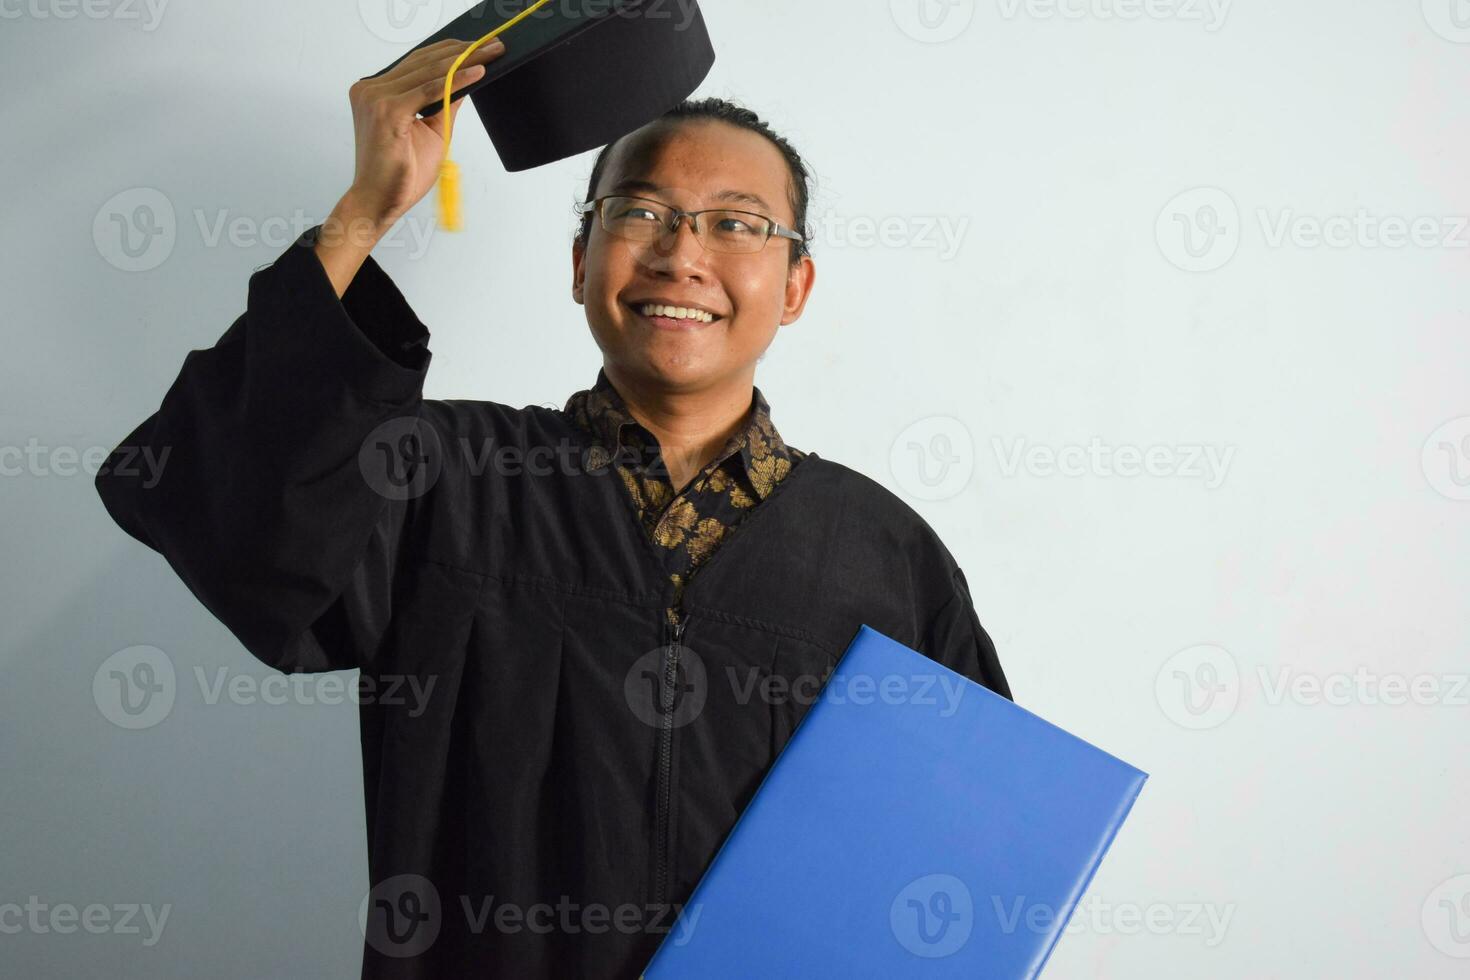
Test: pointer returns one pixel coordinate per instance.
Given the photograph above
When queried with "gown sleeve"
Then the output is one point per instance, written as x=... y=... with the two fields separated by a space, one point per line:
x=247 y=477
x=955 y=638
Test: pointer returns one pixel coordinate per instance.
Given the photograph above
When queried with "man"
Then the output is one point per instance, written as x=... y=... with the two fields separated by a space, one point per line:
x=617 y=612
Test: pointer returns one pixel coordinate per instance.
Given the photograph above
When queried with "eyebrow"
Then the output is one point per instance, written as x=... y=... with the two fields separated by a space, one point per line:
x=726 y=195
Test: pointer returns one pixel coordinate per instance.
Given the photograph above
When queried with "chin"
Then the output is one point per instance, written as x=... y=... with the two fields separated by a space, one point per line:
x=677 y=369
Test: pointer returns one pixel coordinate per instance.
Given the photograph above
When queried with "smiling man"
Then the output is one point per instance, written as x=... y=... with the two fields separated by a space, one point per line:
x=685 y=286
x=689 y=377
x=617 y=645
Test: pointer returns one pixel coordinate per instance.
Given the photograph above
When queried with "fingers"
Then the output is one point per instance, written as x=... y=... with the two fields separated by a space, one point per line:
x=419 y=79
x=436 y=67
x=432 y=93
x=449 y=47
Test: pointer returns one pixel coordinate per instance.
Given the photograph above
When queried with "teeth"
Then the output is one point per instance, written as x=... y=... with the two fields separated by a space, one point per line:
x=677 y=312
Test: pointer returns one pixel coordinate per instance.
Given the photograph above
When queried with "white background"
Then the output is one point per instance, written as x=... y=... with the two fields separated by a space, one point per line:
x=1131 y=192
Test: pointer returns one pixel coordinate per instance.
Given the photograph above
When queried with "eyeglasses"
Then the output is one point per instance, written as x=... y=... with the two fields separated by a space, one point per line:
x=641 y=219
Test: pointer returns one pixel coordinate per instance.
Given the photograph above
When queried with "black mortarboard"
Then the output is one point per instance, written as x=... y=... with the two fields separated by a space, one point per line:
x=576 y=74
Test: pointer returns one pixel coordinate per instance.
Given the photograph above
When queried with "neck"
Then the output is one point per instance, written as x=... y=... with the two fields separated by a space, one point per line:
x=691 y=426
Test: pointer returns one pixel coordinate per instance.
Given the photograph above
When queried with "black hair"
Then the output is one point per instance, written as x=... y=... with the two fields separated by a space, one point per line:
x=722 y=110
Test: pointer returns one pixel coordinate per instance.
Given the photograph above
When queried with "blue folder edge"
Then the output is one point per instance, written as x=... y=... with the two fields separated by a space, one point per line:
x=1084 y=881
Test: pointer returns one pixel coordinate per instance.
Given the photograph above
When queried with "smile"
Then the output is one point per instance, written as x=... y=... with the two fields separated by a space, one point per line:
x=674 y=317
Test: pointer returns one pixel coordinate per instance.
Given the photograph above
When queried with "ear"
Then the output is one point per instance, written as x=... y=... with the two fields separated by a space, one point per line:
x=800 y=278
x=579 y=271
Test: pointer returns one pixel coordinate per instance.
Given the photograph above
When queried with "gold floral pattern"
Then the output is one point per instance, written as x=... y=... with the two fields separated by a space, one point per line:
x=687 y=526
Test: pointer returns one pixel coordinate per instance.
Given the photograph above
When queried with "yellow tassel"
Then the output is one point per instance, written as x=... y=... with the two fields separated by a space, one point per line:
x=449 y=215
x=449 y=212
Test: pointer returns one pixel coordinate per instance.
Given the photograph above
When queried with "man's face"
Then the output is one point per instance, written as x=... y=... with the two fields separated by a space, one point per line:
x=691 y=165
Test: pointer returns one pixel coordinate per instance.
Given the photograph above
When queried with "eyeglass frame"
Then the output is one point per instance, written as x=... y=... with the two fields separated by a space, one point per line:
x=776 y=229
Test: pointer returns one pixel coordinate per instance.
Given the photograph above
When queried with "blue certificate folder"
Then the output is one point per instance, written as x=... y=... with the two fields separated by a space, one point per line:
x=916 y=824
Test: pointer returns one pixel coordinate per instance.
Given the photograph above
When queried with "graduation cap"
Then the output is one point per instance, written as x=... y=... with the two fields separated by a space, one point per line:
x=576 y=74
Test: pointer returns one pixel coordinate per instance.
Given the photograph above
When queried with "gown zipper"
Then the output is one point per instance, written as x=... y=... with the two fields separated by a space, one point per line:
x=663 y=814
x=667 y=698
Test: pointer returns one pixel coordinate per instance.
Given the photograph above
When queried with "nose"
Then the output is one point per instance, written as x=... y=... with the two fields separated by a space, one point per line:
x=680 y=223
x=678 y=250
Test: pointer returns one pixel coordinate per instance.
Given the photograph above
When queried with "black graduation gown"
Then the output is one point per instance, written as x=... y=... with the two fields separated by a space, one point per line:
x=535 y=813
